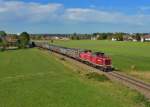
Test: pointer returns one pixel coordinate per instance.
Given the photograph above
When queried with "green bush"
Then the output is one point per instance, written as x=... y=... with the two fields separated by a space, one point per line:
x=142 y=99
x=97 y=77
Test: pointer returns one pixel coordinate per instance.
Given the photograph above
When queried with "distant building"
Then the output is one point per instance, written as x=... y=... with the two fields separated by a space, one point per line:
x=64 y=38
x=129 y=38
x=145 y=38
x=55 y=37
x=11 y=40
x=93 y=38
x=114 y=39
x=134 y=40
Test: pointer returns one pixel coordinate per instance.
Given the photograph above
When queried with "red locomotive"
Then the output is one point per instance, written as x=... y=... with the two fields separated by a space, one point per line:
x=98 y=59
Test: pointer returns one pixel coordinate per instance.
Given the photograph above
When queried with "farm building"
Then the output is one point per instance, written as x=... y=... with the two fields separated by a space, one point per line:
x=64 y=38
x=11 y=40
x=95 y=37
x=114 y=39
x=145 y=38
x=127 y=38
x=132 y=38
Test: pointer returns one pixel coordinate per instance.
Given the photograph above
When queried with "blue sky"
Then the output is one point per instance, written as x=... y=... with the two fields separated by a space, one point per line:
x=68 y=16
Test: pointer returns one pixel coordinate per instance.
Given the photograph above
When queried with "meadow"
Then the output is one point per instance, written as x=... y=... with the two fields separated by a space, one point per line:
x=34 y=78
x=126 y=56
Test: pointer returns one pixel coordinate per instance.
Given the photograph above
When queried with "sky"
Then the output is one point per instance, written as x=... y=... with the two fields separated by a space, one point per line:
x=69 y=16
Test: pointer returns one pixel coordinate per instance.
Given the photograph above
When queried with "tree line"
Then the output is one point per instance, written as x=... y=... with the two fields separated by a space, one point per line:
x=119 y=36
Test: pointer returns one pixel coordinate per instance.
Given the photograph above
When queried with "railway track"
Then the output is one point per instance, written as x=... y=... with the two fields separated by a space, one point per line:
x=139 y=85
x=132 y=80
x=133 y=83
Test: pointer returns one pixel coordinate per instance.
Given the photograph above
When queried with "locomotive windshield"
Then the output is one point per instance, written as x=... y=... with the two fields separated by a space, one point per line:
x=99 y=54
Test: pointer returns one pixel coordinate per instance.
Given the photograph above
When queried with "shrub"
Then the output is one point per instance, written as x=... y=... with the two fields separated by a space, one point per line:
x=142 y=99
x=97 y=76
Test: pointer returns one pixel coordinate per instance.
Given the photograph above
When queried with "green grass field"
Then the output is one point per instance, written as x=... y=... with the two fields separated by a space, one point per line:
x=126 y=56
x=33 y=78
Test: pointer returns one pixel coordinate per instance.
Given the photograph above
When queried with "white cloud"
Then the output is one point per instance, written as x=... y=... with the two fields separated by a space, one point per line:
x=36 y=12
x=145 y=8
x=80 y=14
x=92 y=15
x=28 y=11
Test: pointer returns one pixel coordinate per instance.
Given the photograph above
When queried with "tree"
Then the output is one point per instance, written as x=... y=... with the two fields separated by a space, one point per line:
x=77 y=38
x=72 y=38
x=74 y=34
x=119 y=36
x=15 y=37
x=3 y=41
x=3 y=33
x=138 y=37
x=102 y=37
x=0 y=40
x=24 y=39
x=2 y=36
x=52 y=41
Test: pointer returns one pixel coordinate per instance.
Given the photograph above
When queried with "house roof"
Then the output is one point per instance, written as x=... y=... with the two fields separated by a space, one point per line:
x=146 y=36
x=10 y=39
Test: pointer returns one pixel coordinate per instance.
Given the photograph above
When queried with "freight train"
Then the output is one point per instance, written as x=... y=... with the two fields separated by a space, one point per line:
x=96 y=59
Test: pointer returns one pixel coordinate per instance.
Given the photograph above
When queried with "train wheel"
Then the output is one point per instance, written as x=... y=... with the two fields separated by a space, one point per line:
x=101 y=68
x=105 y=70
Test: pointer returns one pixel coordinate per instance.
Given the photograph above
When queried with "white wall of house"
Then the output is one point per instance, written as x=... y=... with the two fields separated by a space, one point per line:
x=93 y=38
x=134 y=40
x=142 y=39
x=114 y=39
x=145 y=39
